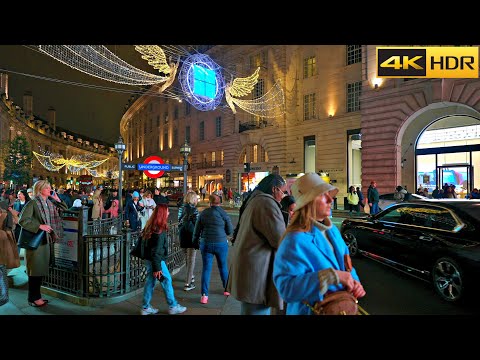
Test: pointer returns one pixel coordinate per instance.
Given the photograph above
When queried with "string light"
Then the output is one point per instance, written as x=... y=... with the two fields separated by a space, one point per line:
x=54 y=162
x=155 y=57
x=98 y=61
x=173 y=72
x=243 y=86
x=270 y=105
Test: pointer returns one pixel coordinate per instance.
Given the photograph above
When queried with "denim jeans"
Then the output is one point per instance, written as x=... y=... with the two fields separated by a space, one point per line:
x=254 y=309
x=151 y=281
x=374 y=209
x=220 y=251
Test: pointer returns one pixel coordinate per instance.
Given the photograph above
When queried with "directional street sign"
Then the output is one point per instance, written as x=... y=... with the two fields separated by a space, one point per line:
x=129 y=166
x=176 y=167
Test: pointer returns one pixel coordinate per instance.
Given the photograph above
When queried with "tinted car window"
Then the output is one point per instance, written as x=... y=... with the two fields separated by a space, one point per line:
x=393 y=215
x=427 y=216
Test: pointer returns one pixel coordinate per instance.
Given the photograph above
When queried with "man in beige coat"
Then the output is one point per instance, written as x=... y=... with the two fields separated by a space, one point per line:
x=261 y=226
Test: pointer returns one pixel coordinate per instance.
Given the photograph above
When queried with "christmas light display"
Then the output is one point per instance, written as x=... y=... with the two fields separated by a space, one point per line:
x=54 y=162
x=155 y=57
x=202 y=82
x=98 y=61
x=270 y=105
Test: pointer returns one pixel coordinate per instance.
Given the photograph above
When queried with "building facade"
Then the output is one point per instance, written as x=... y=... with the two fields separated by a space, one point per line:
x=419 y=132
x=319 y=131
x=44 y=136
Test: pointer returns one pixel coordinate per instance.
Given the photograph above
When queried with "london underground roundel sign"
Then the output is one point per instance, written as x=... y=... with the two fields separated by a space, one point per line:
x=154 y=160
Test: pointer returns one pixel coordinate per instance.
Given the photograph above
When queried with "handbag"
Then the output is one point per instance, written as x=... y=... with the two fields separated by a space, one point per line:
x=3 y=285
x=139 y=248
x=29 y=240
x=338 y=302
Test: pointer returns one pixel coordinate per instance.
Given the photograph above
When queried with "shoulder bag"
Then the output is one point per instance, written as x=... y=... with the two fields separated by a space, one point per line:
x=337 y=302
x=29 y=240
x=139 y=248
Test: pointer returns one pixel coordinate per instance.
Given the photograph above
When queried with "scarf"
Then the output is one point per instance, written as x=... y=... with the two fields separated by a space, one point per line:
x=50 y=216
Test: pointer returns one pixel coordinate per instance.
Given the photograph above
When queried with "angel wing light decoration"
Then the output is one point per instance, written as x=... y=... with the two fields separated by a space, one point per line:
x=157 y=59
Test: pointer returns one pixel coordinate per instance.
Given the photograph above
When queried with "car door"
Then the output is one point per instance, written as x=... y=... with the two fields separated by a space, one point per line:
x=417 y=242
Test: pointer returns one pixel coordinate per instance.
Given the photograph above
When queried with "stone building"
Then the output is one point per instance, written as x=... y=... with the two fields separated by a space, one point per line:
x=319 y=131
x=44 y=136
x=419 y=132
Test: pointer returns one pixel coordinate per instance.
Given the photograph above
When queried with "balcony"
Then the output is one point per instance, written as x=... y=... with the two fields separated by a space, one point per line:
x=253 y=125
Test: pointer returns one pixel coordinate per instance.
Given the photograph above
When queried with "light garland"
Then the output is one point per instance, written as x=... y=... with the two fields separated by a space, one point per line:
x=270 y=105
x=243 y=86
x=155 y=57
x=170 y=80
x=54 y=162
x=98 y=61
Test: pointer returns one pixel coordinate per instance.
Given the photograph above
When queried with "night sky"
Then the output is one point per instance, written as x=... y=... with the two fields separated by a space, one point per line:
x=91 y=112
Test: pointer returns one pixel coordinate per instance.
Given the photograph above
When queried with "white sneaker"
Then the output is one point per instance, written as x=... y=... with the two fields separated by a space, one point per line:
x=177 y=309
x=188 y=287
x=193 y=279
x=149 y=311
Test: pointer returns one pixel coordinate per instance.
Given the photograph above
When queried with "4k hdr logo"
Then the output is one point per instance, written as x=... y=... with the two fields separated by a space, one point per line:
x=427 y=62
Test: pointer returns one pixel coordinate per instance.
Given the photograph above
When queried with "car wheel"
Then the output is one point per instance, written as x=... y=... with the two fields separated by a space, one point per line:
x=447 y=279
x=351 y=241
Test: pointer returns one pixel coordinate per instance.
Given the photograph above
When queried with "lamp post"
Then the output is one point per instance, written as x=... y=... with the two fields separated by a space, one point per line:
x=185 y=150
x=120 y=147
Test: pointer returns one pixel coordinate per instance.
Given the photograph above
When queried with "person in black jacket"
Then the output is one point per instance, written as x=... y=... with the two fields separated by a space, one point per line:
x=155 y=235
x=187 y=217
x=210 y=234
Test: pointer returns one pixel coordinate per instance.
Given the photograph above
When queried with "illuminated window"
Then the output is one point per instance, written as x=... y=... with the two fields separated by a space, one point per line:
x=259 y=89
x=255 y=153
x=213 y=156
x=354 y=54
x=309 y=107
x=309 y=67
x=204 y=82
x=354 y=90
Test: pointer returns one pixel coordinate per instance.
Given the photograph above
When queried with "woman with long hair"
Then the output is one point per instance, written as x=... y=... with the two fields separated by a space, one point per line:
x=312 y=258
x=18 y=205
x=41 y=213
x=155 y=235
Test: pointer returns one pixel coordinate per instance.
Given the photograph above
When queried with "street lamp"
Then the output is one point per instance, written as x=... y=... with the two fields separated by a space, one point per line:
x=185 y=150
x=120 y=147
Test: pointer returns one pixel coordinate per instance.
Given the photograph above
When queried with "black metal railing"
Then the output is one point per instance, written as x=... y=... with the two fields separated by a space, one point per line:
x=100 y=265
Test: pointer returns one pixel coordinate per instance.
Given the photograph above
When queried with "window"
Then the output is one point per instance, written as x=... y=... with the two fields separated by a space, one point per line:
x=255 y=153
x=218 y=126
x=259 y=89
x=165 y=139
x=213 y=156
x=309 y=107
x=187 y=108
x=354 y=54
x=354 y=90
x=187 y=134
x=394 y=215
x=158 y=121
x=165 y=115
x=309 y=67
x=202 y=131
x=175 y=113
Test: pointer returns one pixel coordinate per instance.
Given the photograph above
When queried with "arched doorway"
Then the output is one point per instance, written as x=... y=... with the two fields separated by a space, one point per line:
x=448 y=152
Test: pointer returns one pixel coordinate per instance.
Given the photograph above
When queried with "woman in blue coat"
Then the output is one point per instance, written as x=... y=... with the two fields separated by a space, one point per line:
x=311 y=257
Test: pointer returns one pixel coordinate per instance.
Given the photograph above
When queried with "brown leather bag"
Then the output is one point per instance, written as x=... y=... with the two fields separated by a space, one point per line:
x=338 y=302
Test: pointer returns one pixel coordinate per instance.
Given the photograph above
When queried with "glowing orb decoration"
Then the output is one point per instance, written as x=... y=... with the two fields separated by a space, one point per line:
x=202 y=82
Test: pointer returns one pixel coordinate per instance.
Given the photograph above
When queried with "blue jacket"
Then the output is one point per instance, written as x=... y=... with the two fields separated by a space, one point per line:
x=299 y=258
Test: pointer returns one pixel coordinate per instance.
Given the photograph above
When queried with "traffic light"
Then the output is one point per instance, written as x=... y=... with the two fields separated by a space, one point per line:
x=246 y=167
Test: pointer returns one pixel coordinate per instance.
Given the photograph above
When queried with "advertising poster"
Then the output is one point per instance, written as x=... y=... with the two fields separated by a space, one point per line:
x=66 y=250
